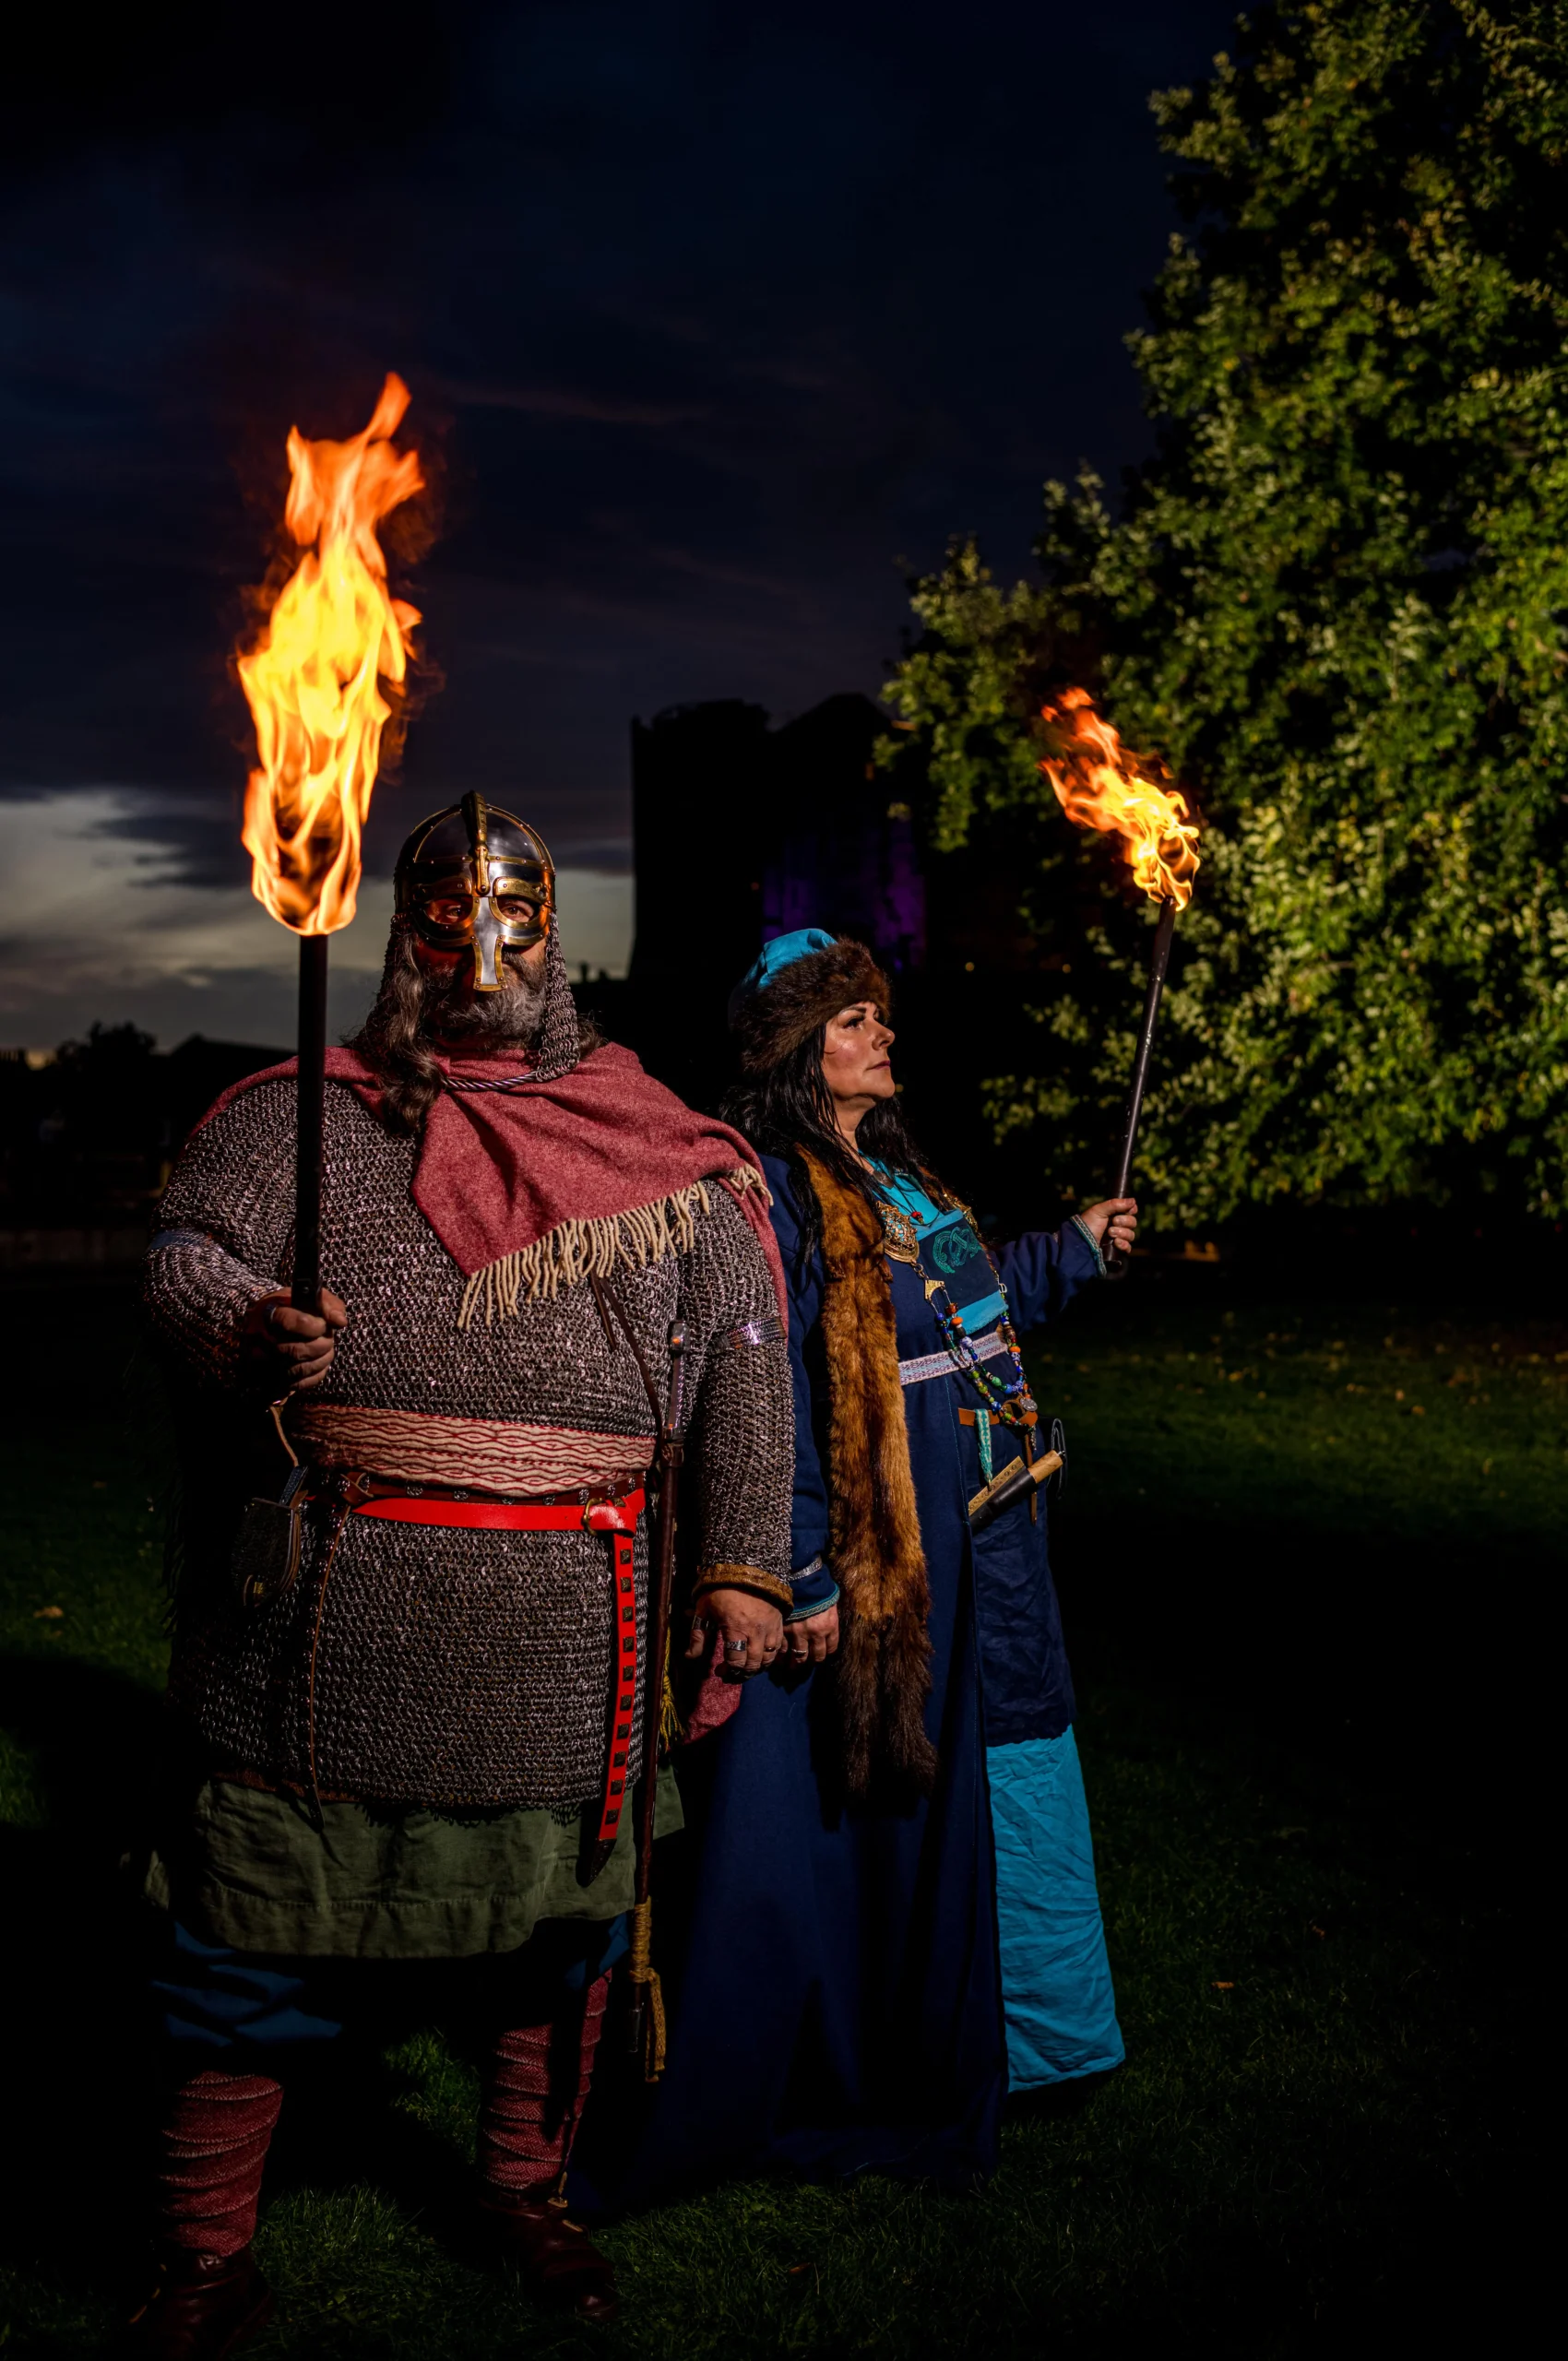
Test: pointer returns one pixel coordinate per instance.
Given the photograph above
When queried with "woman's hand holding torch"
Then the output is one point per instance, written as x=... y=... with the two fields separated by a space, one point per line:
x=1114 y=1224
x=1100 y=785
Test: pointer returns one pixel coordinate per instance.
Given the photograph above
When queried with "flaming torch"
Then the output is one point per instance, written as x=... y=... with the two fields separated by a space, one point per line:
x=312 y=681
x=1099 y=784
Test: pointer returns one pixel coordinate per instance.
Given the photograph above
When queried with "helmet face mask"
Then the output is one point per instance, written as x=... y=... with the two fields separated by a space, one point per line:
x=474 y=880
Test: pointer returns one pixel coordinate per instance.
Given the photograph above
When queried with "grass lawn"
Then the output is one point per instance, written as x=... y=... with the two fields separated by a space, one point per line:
x=1299 y=1550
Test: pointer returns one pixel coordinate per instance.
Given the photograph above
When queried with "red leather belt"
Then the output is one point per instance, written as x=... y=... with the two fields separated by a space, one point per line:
x=615 y=1515
x=405 y=1507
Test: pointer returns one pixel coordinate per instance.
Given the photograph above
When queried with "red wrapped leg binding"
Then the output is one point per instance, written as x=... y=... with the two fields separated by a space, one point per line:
x=213 y=2148
x=532 y=2097
x=210 y=2297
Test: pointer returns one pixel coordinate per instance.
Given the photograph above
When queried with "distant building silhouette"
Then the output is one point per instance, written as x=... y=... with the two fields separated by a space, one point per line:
x=742 y=832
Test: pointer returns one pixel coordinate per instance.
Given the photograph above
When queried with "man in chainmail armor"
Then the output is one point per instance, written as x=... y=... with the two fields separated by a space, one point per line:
x=402 y=1683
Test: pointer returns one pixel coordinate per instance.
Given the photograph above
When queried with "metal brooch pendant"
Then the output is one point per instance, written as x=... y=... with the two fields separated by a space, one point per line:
x=900 y=1239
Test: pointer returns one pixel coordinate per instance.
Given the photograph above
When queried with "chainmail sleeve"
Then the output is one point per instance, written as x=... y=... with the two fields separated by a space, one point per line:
x=225 y=1226
x=739 y=1428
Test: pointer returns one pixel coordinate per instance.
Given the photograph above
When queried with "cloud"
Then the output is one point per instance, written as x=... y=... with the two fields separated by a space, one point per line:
x=102 y=925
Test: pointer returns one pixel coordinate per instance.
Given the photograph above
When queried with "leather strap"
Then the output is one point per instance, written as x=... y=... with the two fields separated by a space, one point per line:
x=509 y=1517
x=618 y=1777
x=608 y=1302
x=621 y=1777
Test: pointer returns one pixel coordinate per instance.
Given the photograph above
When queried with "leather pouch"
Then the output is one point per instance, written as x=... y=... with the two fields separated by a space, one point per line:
x=266 y=1560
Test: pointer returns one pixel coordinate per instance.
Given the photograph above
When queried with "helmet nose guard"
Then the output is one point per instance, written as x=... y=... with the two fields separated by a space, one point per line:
x=474 y=878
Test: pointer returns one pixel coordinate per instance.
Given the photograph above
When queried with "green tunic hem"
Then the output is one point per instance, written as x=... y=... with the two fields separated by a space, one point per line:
x=267 y=1873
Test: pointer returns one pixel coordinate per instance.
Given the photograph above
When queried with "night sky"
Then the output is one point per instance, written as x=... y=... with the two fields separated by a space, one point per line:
x=712 y=316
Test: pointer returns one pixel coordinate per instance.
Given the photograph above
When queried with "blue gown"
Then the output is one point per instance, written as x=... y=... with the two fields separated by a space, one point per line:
x=856 y=1988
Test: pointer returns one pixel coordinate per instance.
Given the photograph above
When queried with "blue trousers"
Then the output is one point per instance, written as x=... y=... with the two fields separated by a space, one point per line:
x=209 y=2000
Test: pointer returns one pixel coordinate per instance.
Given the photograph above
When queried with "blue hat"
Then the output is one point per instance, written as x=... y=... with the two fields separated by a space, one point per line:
x=800 y=984
x=781 y=952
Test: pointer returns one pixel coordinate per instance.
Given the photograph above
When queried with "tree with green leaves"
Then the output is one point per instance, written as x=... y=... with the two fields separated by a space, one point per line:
x=1334 y=604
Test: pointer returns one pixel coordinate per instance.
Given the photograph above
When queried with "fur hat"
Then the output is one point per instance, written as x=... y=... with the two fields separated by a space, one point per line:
x=787 y=1005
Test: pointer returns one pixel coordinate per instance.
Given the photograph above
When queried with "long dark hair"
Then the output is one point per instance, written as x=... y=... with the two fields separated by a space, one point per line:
x=790 y=1108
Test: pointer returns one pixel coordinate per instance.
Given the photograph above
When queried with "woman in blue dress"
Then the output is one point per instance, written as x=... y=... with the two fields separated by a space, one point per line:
x=892 y=1919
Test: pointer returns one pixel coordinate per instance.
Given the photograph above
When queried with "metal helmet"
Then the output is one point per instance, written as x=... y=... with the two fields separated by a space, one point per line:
x=474 y=877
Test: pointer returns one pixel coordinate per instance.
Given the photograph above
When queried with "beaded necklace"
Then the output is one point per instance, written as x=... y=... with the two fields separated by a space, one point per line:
x=1007 y=1399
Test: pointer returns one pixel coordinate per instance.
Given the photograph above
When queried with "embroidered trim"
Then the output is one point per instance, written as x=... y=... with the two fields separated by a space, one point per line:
x=916 y=1372
x=817 y=1607
x=498 y=1454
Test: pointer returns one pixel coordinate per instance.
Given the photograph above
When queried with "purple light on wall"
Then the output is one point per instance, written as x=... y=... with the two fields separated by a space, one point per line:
x=903 y=898
x=864 y=882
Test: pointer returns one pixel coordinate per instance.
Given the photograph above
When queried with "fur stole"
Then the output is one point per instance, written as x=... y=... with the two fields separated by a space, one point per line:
x=883 y=1666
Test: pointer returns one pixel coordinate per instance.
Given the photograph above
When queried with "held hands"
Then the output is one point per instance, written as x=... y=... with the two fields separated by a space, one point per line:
x=754 y=1635
x=813 y=1638
x=752 y=1632
x=1117 y=1215
x=293 y=1349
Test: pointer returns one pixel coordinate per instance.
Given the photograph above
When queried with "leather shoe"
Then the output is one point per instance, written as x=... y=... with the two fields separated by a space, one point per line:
x=553 y=2256
x=204 y=2306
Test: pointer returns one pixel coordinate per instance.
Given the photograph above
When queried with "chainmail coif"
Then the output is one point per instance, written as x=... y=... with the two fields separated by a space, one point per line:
x=558 y=1048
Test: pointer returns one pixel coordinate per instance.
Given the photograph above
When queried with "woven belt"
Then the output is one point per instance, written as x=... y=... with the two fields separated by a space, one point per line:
x=945 y=1364
x=615 y=1515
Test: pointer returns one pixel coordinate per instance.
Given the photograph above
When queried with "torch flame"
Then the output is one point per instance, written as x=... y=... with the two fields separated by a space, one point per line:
x=1099 y=784
x=311 y=679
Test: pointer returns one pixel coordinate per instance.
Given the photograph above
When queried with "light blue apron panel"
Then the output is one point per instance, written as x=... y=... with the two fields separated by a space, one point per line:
x=1056 y=1989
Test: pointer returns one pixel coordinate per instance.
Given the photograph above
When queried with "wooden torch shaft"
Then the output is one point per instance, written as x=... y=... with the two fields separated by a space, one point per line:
x=1160 y=959
x=305 y=1292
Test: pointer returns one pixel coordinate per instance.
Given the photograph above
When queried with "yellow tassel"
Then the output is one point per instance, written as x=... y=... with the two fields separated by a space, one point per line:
x=641 y=1970
x=639 y=1967
x=671 y=1729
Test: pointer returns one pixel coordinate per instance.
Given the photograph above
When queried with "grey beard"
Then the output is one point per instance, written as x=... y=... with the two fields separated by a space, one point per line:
x=417 y=1011
x=509 y=1017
